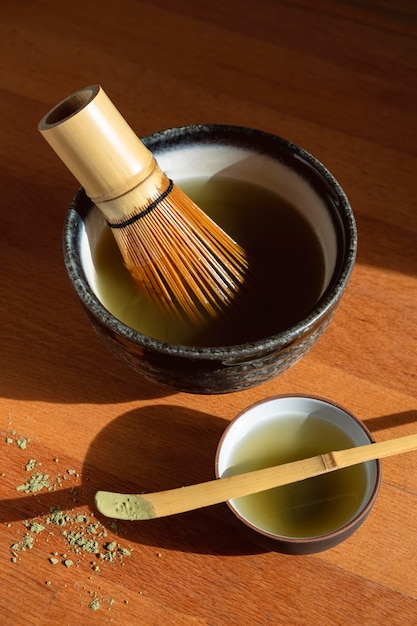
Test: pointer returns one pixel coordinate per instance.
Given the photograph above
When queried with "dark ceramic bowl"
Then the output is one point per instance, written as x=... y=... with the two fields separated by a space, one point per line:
x=242 y=154
x=312 y=515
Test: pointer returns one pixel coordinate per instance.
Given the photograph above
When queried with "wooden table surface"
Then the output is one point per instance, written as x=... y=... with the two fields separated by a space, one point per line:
x=337 y=77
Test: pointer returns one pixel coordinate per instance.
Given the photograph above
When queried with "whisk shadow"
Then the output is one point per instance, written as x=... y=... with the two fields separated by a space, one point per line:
x=384 y=422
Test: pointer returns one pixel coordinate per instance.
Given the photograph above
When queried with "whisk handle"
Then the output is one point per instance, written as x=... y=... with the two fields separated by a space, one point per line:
x=96 y=144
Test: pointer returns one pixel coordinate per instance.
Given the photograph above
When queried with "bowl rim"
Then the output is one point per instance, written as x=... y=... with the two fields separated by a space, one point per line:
x=251 y=139
x=325 y=538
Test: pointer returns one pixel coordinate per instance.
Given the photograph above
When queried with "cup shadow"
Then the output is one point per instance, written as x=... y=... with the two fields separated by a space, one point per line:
x=151 y=449
x=155 y=448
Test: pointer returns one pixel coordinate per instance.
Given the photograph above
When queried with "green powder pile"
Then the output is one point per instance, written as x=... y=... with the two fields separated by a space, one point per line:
x=20 y=441
x=94 y=604
x=31 y=464
x=35 y=483
x=26 y=544
x=78 y=533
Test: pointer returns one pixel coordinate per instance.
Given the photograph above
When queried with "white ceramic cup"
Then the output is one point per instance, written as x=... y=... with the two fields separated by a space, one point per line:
x=273 y=415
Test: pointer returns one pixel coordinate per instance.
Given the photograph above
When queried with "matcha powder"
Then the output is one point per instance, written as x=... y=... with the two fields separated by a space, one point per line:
x=77 y=533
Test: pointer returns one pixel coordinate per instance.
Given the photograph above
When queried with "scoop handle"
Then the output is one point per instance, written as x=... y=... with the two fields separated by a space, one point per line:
x=173 y=501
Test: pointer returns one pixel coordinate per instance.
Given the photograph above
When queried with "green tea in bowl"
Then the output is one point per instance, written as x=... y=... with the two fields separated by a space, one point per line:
x=284 y=252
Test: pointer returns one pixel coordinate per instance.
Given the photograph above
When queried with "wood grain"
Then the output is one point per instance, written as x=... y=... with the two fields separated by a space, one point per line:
x=335 y=76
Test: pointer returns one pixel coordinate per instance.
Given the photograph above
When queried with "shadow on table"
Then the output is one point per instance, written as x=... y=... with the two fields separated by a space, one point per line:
x=384 y=422
x=150 y=449
x=156 y=448
x=162 y=447
x=49 y=350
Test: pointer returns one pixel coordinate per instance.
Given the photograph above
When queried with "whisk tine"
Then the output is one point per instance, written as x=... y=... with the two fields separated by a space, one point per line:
x=180 y=257
x=189 y=286
x=190 y=243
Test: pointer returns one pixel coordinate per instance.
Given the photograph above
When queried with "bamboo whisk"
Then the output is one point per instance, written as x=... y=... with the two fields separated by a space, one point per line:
x=177 y=255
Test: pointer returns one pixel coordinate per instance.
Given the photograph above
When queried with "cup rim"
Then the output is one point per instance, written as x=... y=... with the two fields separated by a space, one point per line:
x=327 y=537
x=252 y=139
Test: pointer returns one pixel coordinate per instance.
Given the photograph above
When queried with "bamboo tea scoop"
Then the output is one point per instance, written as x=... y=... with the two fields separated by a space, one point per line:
x=173 y=501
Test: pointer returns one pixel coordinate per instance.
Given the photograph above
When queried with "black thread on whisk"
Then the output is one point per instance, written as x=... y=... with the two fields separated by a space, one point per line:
x=138 y=216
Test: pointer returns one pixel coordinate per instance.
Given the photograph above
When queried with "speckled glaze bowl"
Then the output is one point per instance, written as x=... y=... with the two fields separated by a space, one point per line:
x=274 y=415
x=205 y=151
